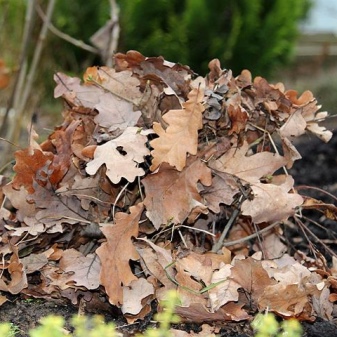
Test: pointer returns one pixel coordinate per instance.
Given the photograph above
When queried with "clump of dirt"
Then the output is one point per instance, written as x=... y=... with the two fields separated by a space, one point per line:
x=318 y=166
x=25 y=314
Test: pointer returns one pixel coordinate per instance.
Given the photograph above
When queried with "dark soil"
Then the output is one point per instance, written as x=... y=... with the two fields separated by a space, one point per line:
x=317 y=168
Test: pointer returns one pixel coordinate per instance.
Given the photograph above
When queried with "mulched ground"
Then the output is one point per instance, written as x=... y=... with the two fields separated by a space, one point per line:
x=317 y=168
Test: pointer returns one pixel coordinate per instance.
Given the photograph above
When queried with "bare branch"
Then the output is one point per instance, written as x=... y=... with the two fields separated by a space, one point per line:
x=106 y=38
x=66 y=37
x=19 y=79
x=37 y=55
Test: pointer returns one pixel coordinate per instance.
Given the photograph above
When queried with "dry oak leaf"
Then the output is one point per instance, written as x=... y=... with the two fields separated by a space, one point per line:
x=137 y=300
x=248 y=168
x=290 y=152
x=286 y=270
x=189 y=289
x=181 y=136
x=251 y=276
x=61 y=140
x=155 y=261
x=202 y=266
x=71 y=89
x=114 y=110
x=271 y=202
x=122 y=84
x=308 y=107
x=88 y=190
x=54 y=210
x=31 y=165
x=197 y=313
x=171 y=195
x=285 y=299
x=222 y=191
x=34 y=262
x=226 y=291
x=238 y=117
x=115 y=113
x=83 y=270
x=294 y=126
x=18 y=198
x=4 y=75
x=121 y=156
x=116 y=253
x=18 y=277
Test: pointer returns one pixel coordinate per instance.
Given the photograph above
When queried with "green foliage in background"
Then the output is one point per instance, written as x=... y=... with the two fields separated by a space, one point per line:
x=255 y=34
x=266 y=325
x=80 y=20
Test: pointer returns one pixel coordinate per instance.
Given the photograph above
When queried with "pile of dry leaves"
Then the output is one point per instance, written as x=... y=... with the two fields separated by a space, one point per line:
x=159 y=179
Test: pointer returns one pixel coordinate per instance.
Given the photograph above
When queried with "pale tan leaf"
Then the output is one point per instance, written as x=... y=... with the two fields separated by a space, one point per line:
x=134 y=295
x=199 y=314
x=201 y=266
x=320 y=131
x=294 y=126
x=119 y=165
x=84 y=269
x=272 y=202
x=157 y=261
x=181 y=136
x=286 y=270
x=112 y=94
x=249 y=168
x=322 y=304
x=188 y=288
x=122 y=83
x=71 y=89
x=290 y=152
x=115 y=113
x=18 y=198
x=224 y=292
x=307 y=104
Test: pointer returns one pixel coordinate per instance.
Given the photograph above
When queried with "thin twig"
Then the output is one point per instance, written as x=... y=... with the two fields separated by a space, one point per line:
x=306 y=229
x=182 y=238
x=21 y=109
x=114 y=36
x=249 y=237
x=66 y=37
x=305 y=187
x=259 y=239
x=117 y=198
x=272 y=143
x=217 y=246
x=16 y=91
x=140 y=189
x=37 y=54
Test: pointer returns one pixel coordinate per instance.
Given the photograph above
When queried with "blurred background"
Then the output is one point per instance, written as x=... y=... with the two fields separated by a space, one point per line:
x=292 y=41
